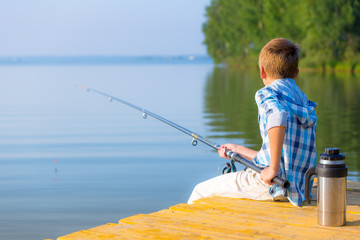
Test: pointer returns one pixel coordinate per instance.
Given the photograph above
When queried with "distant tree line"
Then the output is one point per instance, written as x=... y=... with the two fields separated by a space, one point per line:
x=327 y=30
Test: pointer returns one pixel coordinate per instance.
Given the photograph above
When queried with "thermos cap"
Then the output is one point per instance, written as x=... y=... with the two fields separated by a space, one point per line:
x=332 y=151
x=332 y=154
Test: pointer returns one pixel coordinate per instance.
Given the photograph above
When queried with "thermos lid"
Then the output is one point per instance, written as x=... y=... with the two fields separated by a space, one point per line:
x=332 y=151
x=332 y=154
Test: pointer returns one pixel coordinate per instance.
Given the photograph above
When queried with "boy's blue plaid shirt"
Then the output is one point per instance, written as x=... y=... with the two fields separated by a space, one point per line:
x=282 y=103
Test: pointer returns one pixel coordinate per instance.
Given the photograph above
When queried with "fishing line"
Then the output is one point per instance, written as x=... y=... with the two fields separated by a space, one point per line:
x=195 y=137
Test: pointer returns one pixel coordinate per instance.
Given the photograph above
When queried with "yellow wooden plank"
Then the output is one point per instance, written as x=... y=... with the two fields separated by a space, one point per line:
x=145 y=232
x=126 y=231
x=282 y=212
x=91 y=235
x=234 y=226
x=227 y=218
x=195 y=224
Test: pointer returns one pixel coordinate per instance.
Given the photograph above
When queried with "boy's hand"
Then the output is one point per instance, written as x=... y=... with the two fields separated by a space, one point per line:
x=226 y=147
x=222 y=151
x=268 y=174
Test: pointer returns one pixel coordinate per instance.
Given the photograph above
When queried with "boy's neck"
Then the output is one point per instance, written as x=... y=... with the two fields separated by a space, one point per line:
x=267 y=81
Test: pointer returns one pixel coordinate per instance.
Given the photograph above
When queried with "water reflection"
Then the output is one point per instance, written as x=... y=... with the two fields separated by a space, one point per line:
x=230 y=106
x=55 y=171
x=231 y=110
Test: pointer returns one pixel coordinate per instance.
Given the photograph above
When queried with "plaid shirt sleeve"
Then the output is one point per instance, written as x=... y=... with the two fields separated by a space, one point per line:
x=273 y=113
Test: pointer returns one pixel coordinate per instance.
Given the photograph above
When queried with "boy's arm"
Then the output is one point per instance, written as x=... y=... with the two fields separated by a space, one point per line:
x=245 y=152
x=276 y=139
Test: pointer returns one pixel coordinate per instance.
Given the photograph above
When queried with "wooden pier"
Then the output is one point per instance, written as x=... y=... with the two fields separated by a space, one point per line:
x=228 y=218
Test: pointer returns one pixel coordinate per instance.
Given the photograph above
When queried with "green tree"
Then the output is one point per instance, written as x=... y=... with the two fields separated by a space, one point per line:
x=283 y=18
x=352 y=51
x=327 y=24
x=328 y=30
x=232 y=29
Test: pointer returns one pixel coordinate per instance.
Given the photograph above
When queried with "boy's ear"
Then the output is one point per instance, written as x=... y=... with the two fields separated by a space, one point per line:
x=296 y=74
x=262 y=73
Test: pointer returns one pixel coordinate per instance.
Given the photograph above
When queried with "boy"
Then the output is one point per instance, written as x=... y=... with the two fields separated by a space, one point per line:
x=287 y=122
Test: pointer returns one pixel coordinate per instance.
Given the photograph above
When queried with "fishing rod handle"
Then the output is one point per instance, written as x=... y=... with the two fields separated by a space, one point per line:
x=238 y=158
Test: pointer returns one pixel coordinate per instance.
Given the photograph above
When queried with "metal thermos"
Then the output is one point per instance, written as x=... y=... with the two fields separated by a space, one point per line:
x=331 y=190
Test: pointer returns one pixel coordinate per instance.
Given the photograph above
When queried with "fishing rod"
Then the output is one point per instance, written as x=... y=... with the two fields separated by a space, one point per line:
x=196 y=137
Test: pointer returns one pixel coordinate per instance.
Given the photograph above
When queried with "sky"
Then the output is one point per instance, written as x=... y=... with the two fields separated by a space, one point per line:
x=102 y=27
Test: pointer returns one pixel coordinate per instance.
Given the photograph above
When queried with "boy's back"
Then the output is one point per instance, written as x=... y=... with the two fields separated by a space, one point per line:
x=283 y=103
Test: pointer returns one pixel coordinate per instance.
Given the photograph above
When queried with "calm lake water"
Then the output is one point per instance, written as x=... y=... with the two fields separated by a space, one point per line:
x=72 y=160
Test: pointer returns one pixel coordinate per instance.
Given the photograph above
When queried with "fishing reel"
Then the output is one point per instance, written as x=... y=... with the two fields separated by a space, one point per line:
x=230 y=167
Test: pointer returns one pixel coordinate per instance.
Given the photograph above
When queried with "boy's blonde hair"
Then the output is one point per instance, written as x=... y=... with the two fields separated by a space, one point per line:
x=280 y=58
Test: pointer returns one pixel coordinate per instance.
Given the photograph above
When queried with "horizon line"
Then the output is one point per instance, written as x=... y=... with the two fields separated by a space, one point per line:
x=104 y=59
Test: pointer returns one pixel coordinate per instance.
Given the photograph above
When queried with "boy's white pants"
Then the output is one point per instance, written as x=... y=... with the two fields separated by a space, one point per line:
x=242 y=184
